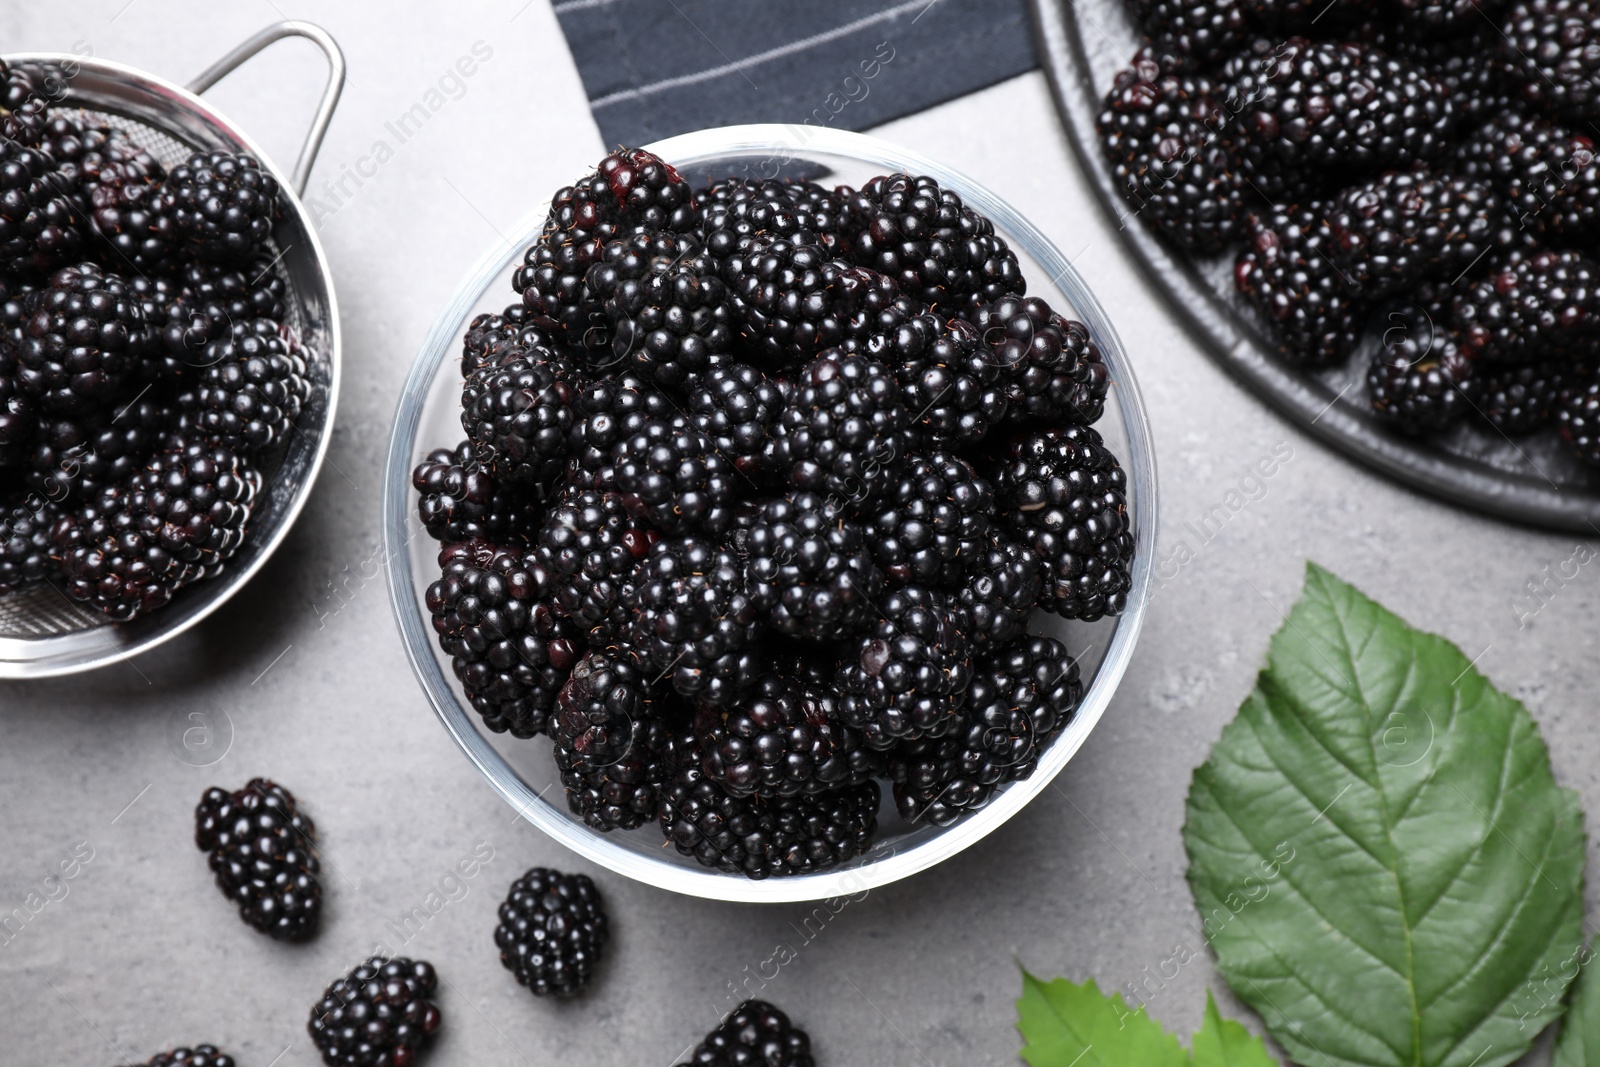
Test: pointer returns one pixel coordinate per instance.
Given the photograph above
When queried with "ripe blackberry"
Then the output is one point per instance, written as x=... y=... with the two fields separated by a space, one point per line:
x=378 y=1015
x=198 y=1056
x=1445 y=18
x=1339 y=106
x=1577 y=412
x=1018 y=704
x=24 y=107
x=694 y=621
x=846 y=428
x=762 y=837
x=756 y=1033
x=1550 y=175
x=738 y=408
x=458 y=499
x=39 y=223
x=606 y=412
x=735 y=211
x=1419 y=378
x=907 y=677
x=176 y=522
x=1287 y=274
x=810 y=569
x=222 y=204
x=1405 y=227
x=1164 y=134
x=83 y=341
x=604 y=701
x=516 y=326
x=785 y=297
x=1552 y=51
x=932 y=524
x=518 y=416
x=623 y=794
x=1002 y=586
x=1518 y=400
x=127 y=213
x=211 y=299
x=950 y=381
x=1208 y=31
x=74 y=460
x=552 y=929
x=672 y=475
x=261 y=849
x=253 y=387
x=1305 y=16
x=784 y=738
x=25 y=541
x=1532 y=308
x=492 y=612
x=1478 y=89
x=668 y=312
x=1063 y=494
x=1052 y=368
x=590 y=546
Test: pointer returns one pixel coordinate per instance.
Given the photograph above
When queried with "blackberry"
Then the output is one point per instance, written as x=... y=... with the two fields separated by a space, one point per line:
x=74 y=460
x=458 y=499
x=1419 y=378
x=23 y=106
x=761 y=837
x=673 y=476
x=19 y=415
x=810 y=569
x=784 y=738
x=738 y=408
x=518 y=416
x=1411 y=226
x=515 y=327
x=1336 y=106
x=846 y=428
x=1018 y=704
x=590 y=545
x=735 y=211
x=127 y=213
x=1549 y=175
x=1532 y=308
x=755 y=1033
x=260 y=846
x=1207 y=31
x=1052 y=368
x=1518 y=400
x=83 y=341
x=1063 y=494
x=198 y=1056
x=694 y=621
x=785 y=296
x=492 y=612
x=222 y=204
x=1002 y=585
x=1287 y=274
x=950 y=381
x=597 y=711
x=211 y=299
x=908 y=676
x=623 y=794
x=378 y=1015
x=669 y=314
x=605 y=413
x=1305 y=16
x=25 y=542
x=933 y=523
x=1577 y=412
x=253 y=387
x=1478 y=89
x=552 y=929
x=177 y=521
x=1445 y=18
x=1552 y=51
x=39 y=223
x=1164 y=133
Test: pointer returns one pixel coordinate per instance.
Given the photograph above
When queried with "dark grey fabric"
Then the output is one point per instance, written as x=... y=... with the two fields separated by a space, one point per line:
x=653 y=68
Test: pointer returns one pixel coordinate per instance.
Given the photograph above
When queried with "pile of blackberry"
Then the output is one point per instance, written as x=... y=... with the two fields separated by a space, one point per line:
x=147 y=375
x=1411 y=186
x=760 y=485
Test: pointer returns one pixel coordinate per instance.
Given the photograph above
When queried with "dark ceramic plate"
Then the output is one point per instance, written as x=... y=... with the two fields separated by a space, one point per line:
x=1532 y=479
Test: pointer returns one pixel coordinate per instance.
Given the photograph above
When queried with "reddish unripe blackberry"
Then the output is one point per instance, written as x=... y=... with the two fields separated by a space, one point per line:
x=223 y=204
x=1549 y=174
x=254 y=385
x=1019 y=702
x=25 y=542
x=1531 y=308
x=669 y=316
x=591 y=545
x=552 y=929
x=1419 y=378
x=1001 y=588
x=518 y=415
x=810 y=569
x=930 y=526
x=459 y=499
x=39 y=223
x=1204 y=31
x=950 y=381
x=623 y=794
x=694 y=620
x=378 y=1015
x=755 y=1033
x=672 y=475
x=739 y=409
x=783 y=738
x=1286 y=272
x=83 y=341
x=1518 y=400
x=515 y=327
x=606 y=412
x=604 y=701
x=198 y=1056
x=907 y=677
x=493 y=613
x=1052 y=368
x=261 y=848
x=1577 y=412
x=1063 y=494
x=1551 y=50
x=846 y=428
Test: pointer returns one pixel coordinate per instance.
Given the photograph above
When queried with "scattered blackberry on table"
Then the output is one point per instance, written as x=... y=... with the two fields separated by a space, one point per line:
x=223 y=204
x=907 y=677
x=623 y=794
x=508 y=645
x=378 y=1015
x=1521 y=399
x=738 y=408
x=590 y=545
x=1419 y=378
x=672 y=475
x=783 y=738
x=669 y=316
x=460 y=500
x=261 y=849
x=1019 y=701
x=931 y=525
x=950 y=380
x=605 y=699
x=1551 y=50
x=999 y=593
x=198 y=1056
x=254 y=385
x=810 y=568
x=1053 y=370
x=1063 y=494
x=755 y=1033
x=1532 y=308
x=762 y=837
x=1550 y=175
x=1577 y=412
x=1287 y=273
x=1207 y=31
x=82 y=343
x=694 y=620
x=518 y=414
x=39 y=223
x=515 y=327
x=25 y=542
x=846 y=428
x=552 y=929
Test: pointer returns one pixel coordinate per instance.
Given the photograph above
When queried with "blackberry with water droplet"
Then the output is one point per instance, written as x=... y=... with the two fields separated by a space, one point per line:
x=694 y=620
x=810 y=568
x=908 y=676
x=846 y=428
x=784 y=738
x=930 y=526
x=261 y=848
x=590 y=545
x=518 y=415
x=1052 y=369
x=552 y=929
x=459 y=499
x=378 y=1015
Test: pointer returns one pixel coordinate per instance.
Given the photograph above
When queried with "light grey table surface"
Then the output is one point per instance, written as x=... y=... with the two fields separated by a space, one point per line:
x=143 y=953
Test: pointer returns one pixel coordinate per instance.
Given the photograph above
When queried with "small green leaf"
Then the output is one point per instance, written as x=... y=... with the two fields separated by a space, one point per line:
x=1383 y=862
x=1067 y=1025
x=1579 y=1043
x=1224 y=1043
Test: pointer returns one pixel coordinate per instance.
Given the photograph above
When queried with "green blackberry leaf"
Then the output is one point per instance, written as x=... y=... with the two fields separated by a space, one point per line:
x=1224 y=1043
x=1384 y=864
x=1579 y=1043
x=1067 y=1025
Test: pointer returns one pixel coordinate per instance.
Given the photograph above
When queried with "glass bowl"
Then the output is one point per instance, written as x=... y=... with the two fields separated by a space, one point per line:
x=523 y=772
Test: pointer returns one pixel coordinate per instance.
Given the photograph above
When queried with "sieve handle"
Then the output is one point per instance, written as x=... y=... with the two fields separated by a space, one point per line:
x=330 y=92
